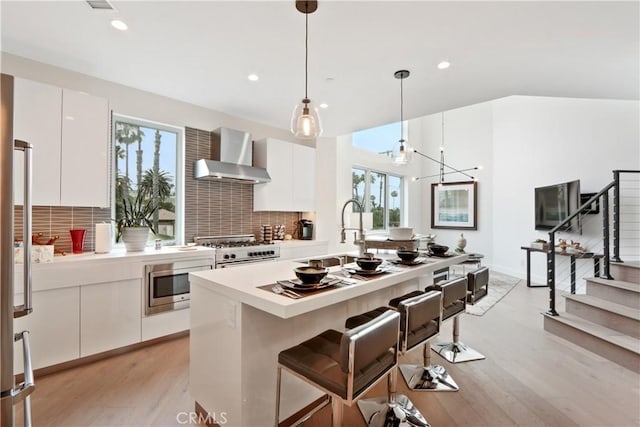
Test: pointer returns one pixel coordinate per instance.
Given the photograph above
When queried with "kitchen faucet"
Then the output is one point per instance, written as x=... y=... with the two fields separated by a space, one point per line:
x=360 y=242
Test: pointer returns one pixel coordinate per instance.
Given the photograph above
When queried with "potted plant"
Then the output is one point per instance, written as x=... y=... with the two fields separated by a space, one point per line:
x=136 y=221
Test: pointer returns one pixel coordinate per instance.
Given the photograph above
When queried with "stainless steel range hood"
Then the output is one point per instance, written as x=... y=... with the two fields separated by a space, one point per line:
x=232 y=158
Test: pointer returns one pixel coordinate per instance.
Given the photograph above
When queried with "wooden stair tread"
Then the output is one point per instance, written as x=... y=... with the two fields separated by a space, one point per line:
x=629 y=264
x=627 y=286
x=602 y=332
x=602 y=304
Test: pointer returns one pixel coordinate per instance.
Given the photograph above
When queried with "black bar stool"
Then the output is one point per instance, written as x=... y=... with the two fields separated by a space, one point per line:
x=344 y=365
x=454 y=302
x=477 y=284
x=420 y=320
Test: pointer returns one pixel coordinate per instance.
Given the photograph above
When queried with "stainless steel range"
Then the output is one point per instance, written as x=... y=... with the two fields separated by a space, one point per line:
x=238 y=250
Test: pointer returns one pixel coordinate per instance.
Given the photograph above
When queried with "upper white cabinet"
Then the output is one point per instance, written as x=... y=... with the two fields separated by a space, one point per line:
x=69 y=131
x=292 y=168
x=85 y=150
x=37 y=120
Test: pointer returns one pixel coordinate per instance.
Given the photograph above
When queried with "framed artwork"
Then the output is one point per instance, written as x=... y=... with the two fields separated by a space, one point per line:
x=454 y=205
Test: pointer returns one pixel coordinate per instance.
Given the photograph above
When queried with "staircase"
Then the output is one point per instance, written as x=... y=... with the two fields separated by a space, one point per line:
x=606 y=319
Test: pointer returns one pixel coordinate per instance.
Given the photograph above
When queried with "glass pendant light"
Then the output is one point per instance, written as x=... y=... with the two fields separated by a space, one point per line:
x=401 y=150
x=305 y=120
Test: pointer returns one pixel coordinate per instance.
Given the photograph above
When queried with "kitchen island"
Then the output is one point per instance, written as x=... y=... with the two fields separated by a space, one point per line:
x=238 y=329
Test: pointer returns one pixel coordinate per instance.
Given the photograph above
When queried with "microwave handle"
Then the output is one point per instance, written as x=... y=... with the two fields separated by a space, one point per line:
x=26 y=307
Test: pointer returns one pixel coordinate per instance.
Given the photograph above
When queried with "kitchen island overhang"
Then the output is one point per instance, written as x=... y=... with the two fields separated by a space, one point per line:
x=238 y=329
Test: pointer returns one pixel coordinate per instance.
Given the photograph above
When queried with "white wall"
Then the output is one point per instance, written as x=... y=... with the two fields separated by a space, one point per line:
x=467 y=143
x=522 y=143
x=541 y=141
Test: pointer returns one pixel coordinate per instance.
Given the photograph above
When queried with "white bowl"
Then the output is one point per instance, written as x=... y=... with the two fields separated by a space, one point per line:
x=401 y=233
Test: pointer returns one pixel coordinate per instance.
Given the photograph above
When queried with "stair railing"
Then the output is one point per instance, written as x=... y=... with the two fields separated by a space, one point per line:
x=606 y=234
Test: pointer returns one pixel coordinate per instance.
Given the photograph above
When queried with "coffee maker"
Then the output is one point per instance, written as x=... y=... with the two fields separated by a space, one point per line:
x=305 y=229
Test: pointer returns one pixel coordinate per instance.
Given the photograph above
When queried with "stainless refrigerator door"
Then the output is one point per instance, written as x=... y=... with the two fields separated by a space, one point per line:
x=9 y=394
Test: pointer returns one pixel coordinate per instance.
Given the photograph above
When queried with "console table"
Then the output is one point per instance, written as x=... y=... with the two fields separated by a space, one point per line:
x=574 y=256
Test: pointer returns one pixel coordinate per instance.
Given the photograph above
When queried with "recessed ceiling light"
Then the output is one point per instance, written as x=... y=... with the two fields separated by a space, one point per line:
x=444 y=65
x=324 y=105
x=253 y=77
x=119 y=25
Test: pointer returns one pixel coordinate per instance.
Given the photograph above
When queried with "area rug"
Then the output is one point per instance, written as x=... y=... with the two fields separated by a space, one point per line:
x=499 y=286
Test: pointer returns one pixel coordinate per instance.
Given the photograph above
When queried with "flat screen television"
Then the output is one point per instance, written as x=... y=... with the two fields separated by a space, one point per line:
x=555 y=203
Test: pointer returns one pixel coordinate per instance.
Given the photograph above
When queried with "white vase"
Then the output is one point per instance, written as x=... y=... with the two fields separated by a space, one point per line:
x=462 y=243
x=135 y=238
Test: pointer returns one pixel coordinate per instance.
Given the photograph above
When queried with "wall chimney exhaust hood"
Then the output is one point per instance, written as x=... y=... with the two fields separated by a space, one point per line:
x=232 y=159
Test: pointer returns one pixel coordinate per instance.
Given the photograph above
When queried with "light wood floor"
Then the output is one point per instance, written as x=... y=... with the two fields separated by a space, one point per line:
x=529 y=378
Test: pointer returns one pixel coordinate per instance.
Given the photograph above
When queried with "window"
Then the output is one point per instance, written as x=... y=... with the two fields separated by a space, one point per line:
x=380 y=139
x=148 y=161
x=379 y=193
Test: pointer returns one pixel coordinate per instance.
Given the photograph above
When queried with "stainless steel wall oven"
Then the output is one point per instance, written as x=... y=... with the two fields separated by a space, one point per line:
x=167 y=285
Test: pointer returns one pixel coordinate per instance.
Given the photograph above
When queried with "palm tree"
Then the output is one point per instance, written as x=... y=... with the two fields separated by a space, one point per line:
x=123 y=187
x=357 y=179
x=138 y=139
x=393 y=195
x=156 y=175
x=127 y=134
x=162 y=182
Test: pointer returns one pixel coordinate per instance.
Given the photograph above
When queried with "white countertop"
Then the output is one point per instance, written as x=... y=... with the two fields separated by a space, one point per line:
x=241 y=284
x=120 y=254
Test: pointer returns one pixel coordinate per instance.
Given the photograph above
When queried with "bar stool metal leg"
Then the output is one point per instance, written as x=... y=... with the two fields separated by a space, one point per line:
x=457 y=351
x=278 y=388
x=428 y=377
x=391 y=410
x=394 y=410
x=337 y=411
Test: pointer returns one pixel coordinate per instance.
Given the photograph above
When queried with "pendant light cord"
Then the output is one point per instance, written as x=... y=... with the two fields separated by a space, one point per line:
x=442 y=152
x=306 y=52
x=401 y=111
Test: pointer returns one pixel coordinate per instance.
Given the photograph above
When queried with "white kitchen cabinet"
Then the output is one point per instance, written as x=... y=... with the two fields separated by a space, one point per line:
x=53 y=328
x=166 y=323
x=293 y=178
x=37 y=120
x=110 y=315
x=69 y=131
x=304 y=178
x=85 y=161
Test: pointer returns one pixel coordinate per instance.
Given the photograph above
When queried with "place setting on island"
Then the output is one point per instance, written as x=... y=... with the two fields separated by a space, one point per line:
x=310 y=280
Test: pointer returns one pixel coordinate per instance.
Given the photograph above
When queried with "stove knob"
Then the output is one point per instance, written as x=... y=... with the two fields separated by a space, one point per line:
x=262 y=253
x=249 y=253
x=233 y=256
x=272 y=252
x=226 y=256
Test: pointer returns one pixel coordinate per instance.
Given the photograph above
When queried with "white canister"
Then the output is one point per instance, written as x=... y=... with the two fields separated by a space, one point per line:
x=103 y=238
